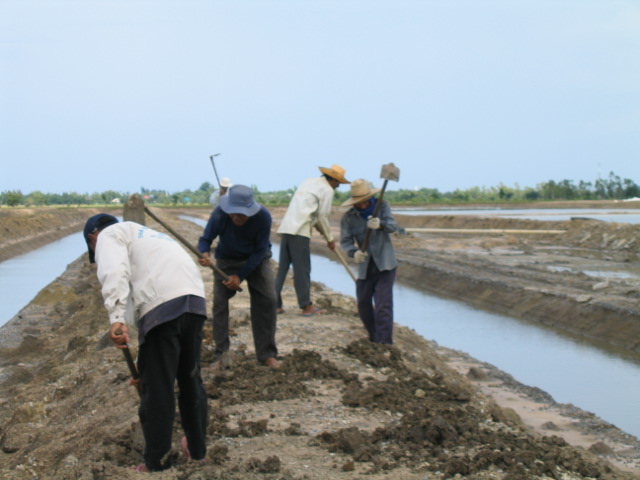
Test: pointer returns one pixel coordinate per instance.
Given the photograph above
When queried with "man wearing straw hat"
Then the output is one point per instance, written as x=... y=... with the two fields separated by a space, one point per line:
x=377 y=265
x=309 y=208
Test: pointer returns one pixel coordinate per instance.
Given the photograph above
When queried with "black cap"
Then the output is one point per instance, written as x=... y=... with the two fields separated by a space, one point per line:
x=95 y=224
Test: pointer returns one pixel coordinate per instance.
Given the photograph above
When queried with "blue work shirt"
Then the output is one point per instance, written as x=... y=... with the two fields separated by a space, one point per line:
x=250 y=242
x=353 y=229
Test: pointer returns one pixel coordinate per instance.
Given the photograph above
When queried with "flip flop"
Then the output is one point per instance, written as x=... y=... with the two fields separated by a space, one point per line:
x=315 y=311
x=140 y=468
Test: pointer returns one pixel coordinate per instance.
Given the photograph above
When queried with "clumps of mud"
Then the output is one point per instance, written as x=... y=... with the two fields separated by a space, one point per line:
x=443 y=430
x=256 y=383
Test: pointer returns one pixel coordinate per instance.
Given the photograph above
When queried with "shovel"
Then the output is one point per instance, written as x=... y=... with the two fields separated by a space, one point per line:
x=388 y=172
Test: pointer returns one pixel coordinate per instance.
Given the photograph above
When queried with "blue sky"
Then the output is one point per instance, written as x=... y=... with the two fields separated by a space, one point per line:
x=116 y=95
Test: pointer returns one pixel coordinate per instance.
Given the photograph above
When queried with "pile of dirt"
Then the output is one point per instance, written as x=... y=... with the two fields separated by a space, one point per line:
x=339 y=407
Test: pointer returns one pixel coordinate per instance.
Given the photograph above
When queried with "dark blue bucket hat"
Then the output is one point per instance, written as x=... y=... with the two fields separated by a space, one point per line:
x=239 y=199
x=95 y=224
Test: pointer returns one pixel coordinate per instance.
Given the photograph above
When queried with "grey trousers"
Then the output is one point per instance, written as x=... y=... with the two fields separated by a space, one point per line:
x=295 y=250
x=263 y=308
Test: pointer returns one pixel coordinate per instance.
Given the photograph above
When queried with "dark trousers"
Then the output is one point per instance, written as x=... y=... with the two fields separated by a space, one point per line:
x=263 y=308
x=295 y=250
x=171 y=352
x=374 y=296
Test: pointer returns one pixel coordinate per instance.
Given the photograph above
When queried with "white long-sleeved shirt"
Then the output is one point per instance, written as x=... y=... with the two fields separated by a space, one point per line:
x=310 y=207
x=140 y=269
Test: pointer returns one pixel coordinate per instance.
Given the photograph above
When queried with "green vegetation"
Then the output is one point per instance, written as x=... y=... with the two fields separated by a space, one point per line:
x=611 y=188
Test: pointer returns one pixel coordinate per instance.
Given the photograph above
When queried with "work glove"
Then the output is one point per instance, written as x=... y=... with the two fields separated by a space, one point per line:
x=360 y=256
x=373 y=223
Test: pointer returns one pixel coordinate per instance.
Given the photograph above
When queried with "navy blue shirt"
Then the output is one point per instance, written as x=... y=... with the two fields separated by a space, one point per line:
x=248 y=242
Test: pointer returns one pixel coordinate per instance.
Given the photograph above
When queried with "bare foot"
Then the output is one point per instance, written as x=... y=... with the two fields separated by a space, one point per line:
x=272 y=363
x=310 y=310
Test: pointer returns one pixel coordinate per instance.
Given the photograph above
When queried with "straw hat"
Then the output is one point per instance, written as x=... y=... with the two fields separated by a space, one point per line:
x=336 y=171
x=360 y=191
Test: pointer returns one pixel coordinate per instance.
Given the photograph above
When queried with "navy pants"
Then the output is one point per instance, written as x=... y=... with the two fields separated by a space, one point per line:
x=171 y=352
x=374 y=296
x=295 y=250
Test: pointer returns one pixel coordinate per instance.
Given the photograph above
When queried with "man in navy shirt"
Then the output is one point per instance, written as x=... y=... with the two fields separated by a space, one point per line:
x=242 y=227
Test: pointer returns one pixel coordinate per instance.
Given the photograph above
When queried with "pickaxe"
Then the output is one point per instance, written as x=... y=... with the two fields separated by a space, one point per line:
x=388 y=172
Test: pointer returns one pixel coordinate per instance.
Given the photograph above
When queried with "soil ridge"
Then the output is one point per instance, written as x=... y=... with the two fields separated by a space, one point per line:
x=340 y=407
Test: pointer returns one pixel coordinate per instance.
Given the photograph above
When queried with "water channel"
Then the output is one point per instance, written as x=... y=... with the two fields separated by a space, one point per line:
x=557 y=214
x=570 y=371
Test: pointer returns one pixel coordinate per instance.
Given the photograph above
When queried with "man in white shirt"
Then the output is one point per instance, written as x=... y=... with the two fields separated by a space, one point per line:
x=214 y=199
x=150 y=281
x=309 y=208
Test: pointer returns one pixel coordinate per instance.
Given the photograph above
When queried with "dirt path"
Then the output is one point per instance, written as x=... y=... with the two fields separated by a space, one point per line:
x=339 y=408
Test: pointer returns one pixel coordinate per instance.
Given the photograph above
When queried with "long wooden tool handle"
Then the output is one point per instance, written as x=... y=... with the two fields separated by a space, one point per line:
x=183 y=240
x=344 y=262
x=130 y=363
x=365 y=242
x=340 y=257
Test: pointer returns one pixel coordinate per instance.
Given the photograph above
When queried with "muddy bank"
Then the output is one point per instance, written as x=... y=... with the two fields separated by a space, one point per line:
x=25 y=229
x=339 y=408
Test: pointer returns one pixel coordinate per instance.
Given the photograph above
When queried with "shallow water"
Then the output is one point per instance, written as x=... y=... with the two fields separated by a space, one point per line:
x=22 y=277
x=571 y=371
x=557 y=214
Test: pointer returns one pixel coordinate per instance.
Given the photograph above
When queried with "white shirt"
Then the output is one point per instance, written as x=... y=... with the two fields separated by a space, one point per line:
x=140 y=269
x=310 y=207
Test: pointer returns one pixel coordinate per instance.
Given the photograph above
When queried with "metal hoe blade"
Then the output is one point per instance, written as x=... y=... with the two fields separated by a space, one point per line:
x=390 y=172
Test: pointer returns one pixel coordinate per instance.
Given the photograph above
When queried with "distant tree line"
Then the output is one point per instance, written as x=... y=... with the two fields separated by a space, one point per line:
x=611 y=188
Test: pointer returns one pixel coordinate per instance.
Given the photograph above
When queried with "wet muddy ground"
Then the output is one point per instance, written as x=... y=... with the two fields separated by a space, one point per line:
x=339 y=407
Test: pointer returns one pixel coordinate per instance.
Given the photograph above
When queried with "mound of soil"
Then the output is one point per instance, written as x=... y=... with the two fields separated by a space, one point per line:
x=339 y=407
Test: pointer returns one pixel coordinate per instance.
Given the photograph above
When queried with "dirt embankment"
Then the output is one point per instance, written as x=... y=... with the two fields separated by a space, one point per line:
x=584 y=281
x=22 y=230
x=340 y=407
